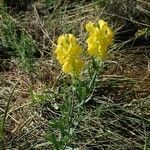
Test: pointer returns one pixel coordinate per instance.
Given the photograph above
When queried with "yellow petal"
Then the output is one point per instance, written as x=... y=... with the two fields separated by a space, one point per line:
x=71 y=38
x=66 y=68
x=89 y=26
x=102 y=24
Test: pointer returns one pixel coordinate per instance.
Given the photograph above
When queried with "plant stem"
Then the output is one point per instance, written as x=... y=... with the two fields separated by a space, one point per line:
x=6 y=112
x=93 y=80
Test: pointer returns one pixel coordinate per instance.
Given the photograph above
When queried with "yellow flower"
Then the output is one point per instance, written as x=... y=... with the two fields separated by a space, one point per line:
x=73 y=67
x=100 y=37
x=68 y=54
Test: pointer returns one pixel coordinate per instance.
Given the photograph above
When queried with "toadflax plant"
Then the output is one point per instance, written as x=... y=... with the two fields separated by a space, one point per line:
x=68 y=53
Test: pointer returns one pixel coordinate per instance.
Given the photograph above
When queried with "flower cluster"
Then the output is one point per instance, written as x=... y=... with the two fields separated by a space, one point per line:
x=100 y=37
x=68 y=50
x=68 y=54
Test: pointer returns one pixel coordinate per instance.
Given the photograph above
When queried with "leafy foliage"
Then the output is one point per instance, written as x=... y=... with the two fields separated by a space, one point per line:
x=20 y=43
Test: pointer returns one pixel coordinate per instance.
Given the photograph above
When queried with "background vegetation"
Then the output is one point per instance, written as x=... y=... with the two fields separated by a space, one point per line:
x=33 y=89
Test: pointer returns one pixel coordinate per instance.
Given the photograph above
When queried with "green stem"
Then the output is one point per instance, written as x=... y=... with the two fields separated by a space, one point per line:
x=6 y=112
x=93 y=80
x=96 y=69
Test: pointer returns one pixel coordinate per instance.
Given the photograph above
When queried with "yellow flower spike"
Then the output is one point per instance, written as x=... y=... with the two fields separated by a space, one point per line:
x=100 y=37
x=68 y=54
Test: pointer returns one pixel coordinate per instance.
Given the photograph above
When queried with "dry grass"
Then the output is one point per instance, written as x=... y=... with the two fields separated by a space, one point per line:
x=125 y=83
